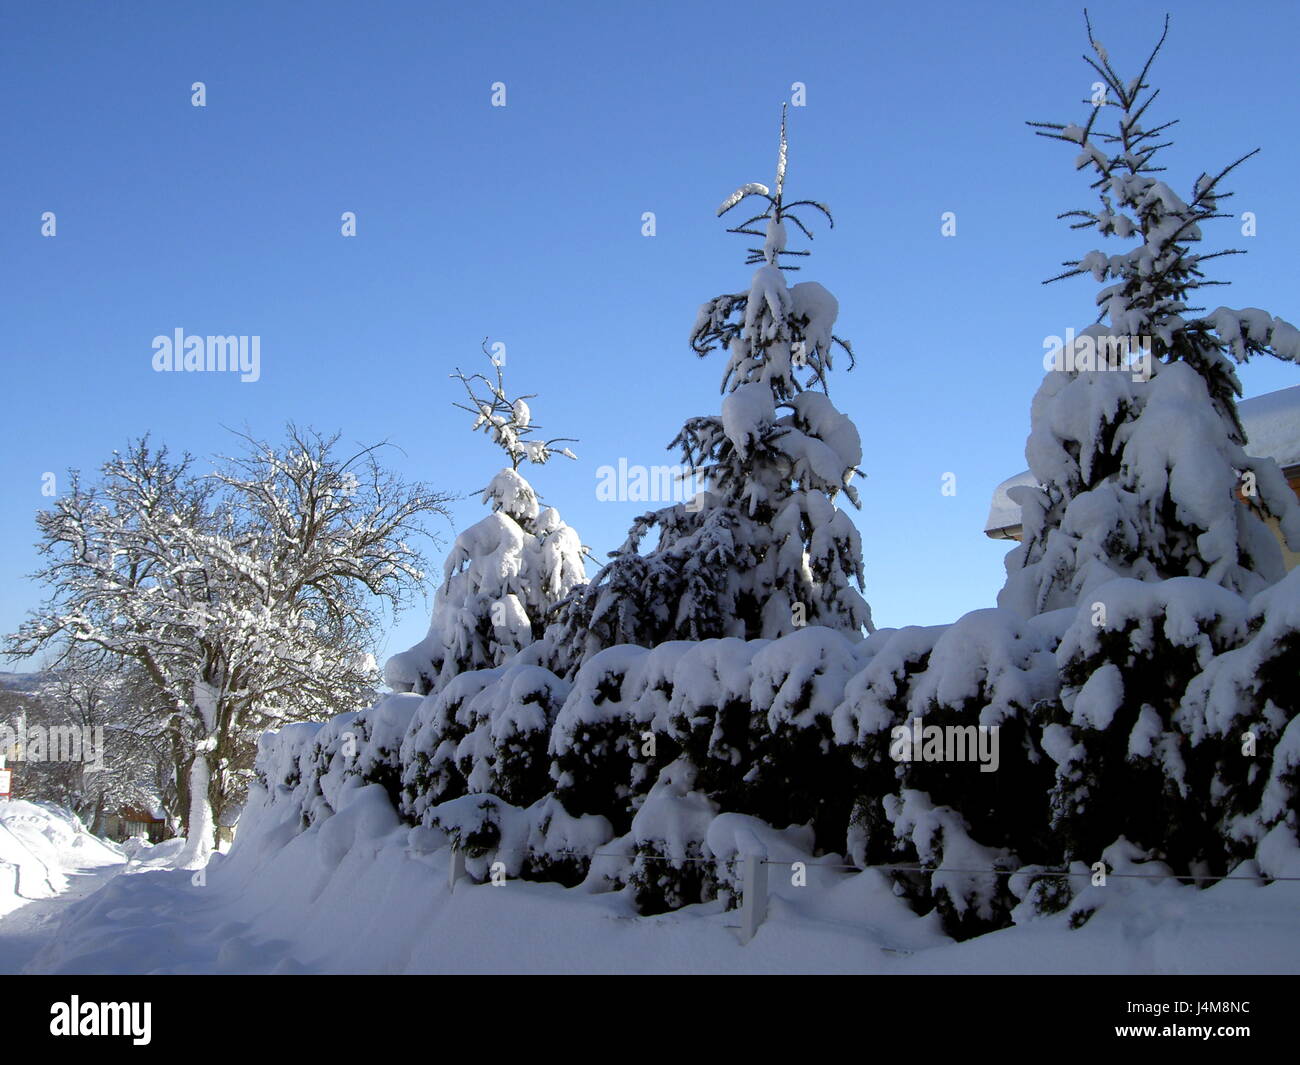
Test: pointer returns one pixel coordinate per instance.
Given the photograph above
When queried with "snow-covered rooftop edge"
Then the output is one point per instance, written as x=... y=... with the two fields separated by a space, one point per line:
x=1272 y=424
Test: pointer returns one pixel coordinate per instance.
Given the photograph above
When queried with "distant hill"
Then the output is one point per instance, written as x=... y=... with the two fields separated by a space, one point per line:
x=22 y=682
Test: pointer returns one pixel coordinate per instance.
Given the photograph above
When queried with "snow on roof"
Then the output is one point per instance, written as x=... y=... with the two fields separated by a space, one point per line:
x=1003 y=513
x=1272 y=424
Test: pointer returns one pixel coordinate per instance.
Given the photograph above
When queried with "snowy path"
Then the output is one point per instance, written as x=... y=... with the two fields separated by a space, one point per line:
x=24 y=931
x=359 y=892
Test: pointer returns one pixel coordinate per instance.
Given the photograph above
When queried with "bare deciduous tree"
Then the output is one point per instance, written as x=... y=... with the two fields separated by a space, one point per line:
x=249 y=596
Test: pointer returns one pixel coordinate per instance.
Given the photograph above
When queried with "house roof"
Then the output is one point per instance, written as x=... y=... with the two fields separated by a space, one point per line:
x=1272 y=424
x=135 y=813
x=1003 y=513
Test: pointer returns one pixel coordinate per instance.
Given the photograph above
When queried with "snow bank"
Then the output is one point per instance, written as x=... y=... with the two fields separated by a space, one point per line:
x=362 y=893
x=39 y=843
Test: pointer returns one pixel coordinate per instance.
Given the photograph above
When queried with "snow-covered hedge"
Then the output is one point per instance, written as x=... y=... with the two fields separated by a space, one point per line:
x=1119 y=720
x=485 y=732
x=1131 y=701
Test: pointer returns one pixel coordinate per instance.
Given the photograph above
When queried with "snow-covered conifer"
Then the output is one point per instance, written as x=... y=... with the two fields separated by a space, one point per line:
x=764 y=549
x=1136 y=440
x=1151 y=522
x=506 y=573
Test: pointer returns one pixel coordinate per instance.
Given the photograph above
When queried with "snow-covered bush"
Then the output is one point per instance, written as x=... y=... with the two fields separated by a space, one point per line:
x=525 y=703
x=942 y=724
x=430 y=774
x=1121 y=757
x=485 y=829
x=486 y=732
x=540 y=842
x=560 y=845
x=710 y=717
x=795 y=773
x=374 y=749
x=963 y=879
x=672 y=867
x=287 y=768
x=1240 y=716
x=602 y=739
x=876 y=700
x=305 y=768
x=1076 y=890
x=751 y=719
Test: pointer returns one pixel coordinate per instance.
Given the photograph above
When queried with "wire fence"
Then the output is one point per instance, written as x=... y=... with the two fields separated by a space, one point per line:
x=754 y=867
x=915 y=868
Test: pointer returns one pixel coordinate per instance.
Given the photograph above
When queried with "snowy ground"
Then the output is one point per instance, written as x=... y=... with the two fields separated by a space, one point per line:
x=26 y=928
x=358 y=894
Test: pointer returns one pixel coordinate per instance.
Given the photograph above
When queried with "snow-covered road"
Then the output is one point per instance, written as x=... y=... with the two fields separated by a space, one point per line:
x=25 y=930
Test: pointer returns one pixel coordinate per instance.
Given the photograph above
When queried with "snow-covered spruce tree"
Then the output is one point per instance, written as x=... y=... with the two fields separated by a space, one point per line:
x=1152 y=518
x=762 y=553
x=505 y=574
x=1142 y=467
x=763 y=549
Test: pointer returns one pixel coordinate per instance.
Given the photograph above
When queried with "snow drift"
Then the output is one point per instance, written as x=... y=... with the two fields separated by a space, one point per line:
x=39 y=842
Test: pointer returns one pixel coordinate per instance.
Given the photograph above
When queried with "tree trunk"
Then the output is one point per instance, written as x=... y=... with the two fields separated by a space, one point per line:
x=97 y=826
x=180 y=784
x=199 y=825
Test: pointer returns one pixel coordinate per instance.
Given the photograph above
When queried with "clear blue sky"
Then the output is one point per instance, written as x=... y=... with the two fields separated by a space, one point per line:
x=524 y=223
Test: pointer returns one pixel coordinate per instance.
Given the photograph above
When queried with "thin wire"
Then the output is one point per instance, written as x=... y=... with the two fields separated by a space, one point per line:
x=1039 y=872
x=921 y=868
x=647 y=857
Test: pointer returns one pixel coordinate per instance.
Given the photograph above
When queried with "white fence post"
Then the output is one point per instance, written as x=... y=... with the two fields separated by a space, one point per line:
x=753 y=900
x=456 y=869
